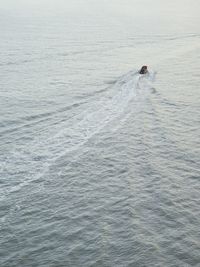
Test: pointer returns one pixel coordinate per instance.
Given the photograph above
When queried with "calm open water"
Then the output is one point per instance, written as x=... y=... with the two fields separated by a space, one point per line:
x=99 y=166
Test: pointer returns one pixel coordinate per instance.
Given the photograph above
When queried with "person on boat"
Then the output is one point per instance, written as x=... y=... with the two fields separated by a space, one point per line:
x=143 y=70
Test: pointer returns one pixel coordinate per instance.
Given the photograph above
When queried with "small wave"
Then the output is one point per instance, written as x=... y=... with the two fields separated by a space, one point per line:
x=34 y=120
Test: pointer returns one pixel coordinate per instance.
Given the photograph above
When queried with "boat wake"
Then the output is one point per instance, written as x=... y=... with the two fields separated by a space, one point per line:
x=36 y=156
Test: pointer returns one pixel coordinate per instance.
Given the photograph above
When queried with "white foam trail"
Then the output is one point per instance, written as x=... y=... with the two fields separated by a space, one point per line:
x=37 y=156
x=102 y=113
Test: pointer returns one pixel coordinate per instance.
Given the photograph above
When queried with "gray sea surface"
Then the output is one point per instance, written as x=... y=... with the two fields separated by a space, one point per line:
x=99 y=166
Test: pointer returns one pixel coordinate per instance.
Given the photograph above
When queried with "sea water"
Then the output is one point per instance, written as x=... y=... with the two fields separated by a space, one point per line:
x=99 y=165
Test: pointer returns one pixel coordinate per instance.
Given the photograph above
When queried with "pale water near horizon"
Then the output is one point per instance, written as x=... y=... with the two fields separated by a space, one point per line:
x=99 y=165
